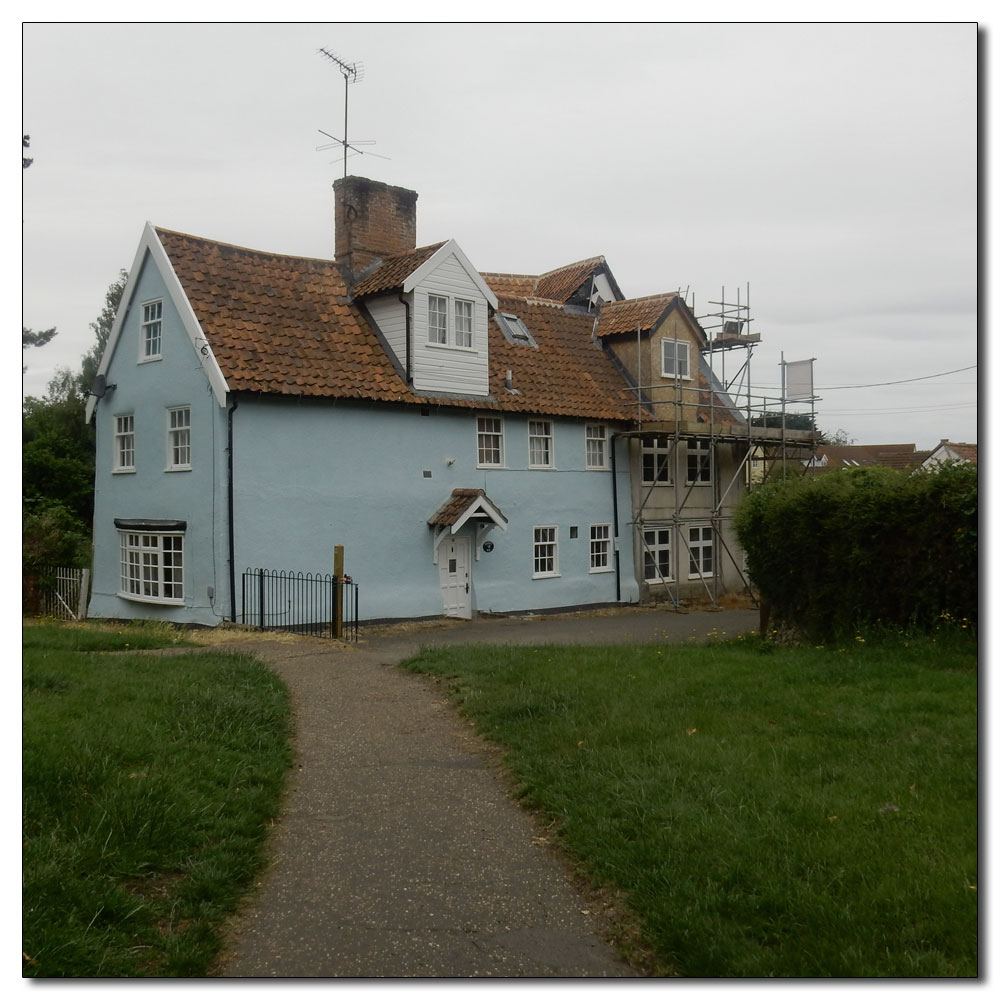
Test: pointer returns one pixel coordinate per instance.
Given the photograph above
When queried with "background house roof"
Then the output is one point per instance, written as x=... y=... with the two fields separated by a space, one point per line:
x=895 y=456
x=287 y=326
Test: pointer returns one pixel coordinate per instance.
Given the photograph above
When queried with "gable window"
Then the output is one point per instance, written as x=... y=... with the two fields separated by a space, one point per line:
x=124 y=443
x=700 y=551
x=540 y=444
x=490 y=441
x=437 y=319
x=546 y=551
x=675 y=358
x=600 y=548
x=152 y=320
x=152 y=567
x=463 y=323
x=656 y=555
x=179 y=438
x=699 y=462
x=597 y=446
x=655 y=460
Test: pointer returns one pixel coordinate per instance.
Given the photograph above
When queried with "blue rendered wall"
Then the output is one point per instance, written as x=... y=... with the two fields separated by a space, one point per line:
x=309 y=476
x=198 y=496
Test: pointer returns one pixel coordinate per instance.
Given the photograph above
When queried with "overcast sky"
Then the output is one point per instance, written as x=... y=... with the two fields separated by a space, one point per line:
x=830 y=169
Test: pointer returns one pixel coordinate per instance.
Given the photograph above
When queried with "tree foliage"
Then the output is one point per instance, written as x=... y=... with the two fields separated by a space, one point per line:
x=859 y=547
x=58 y=446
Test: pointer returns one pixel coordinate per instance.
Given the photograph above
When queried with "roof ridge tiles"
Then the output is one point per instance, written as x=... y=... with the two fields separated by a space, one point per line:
x=237 y=246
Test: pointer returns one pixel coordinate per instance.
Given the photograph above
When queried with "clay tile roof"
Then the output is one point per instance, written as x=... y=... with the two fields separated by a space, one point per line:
x=455 y=506
x=519 y=286
x=393 y=271
x=568 y=375
x=280 y=324
x=286 y=325
x=560 y=284
x=630 y=315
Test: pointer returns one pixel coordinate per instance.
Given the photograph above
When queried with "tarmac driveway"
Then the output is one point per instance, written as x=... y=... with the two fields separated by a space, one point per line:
x=399 y=853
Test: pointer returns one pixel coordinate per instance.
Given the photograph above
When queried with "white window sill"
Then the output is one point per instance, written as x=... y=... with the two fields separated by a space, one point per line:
x=139 y=599
x=545 y=576
x=177 y=468
x=604 y=569
x=123 y=472
x=451 y=347
x=598 y=468
x=153 y=357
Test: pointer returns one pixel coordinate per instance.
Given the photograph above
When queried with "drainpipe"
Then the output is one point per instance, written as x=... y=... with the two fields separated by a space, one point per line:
x=406 y=306
x=232 y=530
x=614 y=504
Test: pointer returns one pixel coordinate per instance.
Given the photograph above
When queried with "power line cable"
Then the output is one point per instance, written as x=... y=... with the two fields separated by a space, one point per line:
x=873 y=385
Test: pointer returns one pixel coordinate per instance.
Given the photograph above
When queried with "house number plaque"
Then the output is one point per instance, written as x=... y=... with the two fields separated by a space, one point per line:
x=487 y=546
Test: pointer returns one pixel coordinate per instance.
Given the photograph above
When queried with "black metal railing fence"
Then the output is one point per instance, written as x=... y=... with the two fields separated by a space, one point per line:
x=305 y=603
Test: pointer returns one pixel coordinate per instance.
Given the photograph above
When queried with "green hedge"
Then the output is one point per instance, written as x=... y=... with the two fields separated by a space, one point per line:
x=854 y=548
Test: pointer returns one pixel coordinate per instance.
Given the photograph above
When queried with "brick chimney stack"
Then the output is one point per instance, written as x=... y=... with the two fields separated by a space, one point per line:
x=372 y=221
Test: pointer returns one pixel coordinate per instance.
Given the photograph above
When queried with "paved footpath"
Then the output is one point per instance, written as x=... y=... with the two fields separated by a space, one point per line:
x=399 y=854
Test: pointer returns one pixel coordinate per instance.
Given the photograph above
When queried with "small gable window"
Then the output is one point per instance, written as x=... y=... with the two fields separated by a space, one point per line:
x=152 y=319
x=514 y=329
x=675 y=358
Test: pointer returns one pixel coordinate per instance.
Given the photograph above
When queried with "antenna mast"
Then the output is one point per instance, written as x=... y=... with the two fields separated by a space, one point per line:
x=352 y=73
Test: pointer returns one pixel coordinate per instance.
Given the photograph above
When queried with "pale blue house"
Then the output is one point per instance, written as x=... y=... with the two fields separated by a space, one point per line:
x=470 y=439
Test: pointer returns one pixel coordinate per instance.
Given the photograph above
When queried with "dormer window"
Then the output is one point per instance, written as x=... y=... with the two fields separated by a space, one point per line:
x=437 y=319
x=675 y=359
x=514 y=330
x=463 y=323
x=450 y=322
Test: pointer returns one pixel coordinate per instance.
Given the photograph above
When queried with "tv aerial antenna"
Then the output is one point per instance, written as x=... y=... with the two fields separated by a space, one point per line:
x=352 y=73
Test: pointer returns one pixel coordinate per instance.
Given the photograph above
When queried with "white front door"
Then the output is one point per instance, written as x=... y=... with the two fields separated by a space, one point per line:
x=455 y=565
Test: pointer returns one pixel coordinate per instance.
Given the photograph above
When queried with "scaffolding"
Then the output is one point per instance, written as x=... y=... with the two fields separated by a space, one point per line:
x=716 y=407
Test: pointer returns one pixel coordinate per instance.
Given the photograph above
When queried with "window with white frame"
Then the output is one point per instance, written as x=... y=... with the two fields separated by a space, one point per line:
x=179 y=437
x=125 y=443
x=437 y=319
x=597 y=446
x=600 y=548
x=656 y=555
x=152 y=566
x=152 y=329
x=546 y=551
x=463 y=323
x=490 y=441
x=700 y=550
x=656 y=460
x=699 y=462
x=540 y=444
x=675 y=358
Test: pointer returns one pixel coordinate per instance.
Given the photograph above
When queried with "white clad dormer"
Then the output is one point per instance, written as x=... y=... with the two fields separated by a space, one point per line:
x=450 y=305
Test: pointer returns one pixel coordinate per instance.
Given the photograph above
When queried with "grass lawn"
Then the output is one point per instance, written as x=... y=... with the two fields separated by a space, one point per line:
x=766 y=811
x=149 y=782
